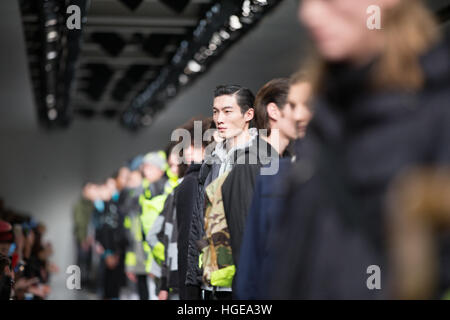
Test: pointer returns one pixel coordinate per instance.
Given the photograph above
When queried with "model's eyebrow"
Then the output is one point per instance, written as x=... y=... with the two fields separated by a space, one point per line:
x=223 y=108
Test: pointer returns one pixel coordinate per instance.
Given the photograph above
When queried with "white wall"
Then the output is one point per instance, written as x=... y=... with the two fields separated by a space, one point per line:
x=41 y=174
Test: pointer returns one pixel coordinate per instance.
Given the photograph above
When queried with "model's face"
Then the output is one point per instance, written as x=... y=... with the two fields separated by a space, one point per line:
x=297 y=114
x=227 y=115
x=339 y=27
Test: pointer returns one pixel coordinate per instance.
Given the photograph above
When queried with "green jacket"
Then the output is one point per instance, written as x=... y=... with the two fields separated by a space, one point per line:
x=152 y=205
x=82 y=213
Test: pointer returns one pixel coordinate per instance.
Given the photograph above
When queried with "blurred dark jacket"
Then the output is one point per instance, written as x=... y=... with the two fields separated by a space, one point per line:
x=197 y=230
x=268 y=198
x=186 y=196
x=111 y=233
x=332 y=228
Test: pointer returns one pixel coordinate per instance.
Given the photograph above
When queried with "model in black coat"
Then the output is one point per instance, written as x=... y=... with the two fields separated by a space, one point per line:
x=187 y=193
x=333 y=226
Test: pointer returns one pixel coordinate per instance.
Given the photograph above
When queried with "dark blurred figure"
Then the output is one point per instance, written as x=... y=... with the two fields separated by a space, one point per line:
x=111 y=237
x=279 y=123
x=193 y=155
x=381 y=104
x=82 y=214
x=6 y=280
x=136 y=255
x=6 y=237
x=270 y=194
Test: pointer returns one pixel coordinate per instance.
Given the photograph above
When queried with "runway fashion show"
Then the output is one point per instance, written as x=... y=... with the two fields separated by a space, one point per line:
x=226 y=156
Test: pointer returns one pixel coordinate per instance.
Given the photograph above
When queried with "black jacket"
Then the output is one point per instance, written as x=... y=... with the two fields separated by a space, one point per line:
x=333 y=226
x=237 y=191
x=110 y=232
x=168 y=237
x=187 y=193
x=197 y=230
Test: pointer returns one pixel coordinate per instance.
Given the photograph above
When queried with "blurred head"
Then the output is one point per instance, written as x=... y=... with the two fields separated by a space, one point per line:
x=4 y=265
x=151 y=172
x=300 y=91
x=105 y=192
x=282 y=104
x=195 y=150
x=6 y=237
x=338 y=28
x=174 y=161
x=94 y=193
x=232 y=110
x=270 y=102
x=154 y=166
x=89 y=192
x=5 y=271
x=134 y=179
x=122 y=177
x=4 y=248
x=111 y=185
x=340 y=34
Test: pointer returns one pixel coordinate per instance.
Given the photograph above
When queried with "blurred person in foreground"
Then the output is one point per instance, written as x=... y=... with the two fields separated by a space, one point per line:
x=270 y=190
x=381 y=105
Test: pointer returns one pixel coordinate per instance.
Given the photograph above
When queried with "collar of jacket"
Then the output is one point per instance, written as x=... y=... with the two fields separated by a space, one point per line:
x=221 y=152
x=193 y=167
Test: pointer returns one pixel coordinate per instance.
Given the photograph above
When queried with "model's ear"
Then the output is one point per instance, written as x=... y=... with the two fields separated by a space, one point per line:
x=249 y=115
x=273 y=111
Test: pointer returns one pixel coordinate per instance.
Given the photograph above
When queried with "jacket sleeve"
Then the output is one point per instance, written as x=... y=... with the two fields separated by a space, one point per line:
x=152 y=238
x=164 y=267
x=165 y=241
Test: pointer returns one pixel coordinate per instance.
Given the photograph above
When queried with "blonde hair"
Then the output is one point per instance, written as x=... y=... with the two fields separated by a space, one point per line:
x=409 y=29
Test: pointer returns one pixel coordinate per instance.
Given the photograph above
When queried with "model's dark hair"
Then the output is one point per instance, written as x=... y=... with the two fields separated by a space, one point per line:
x=275 y=91
x=244 y=97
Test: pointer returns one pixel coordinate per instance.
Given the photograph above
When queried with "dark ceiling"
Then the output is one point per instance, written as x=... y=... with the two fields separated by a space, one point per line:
x=130 y=56
x=126 y=43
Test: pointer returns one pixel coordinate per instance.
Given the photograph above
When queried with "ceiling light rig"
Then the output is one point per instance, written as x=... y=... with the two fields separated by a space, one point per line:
x=57 y=50
x=220 y=28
